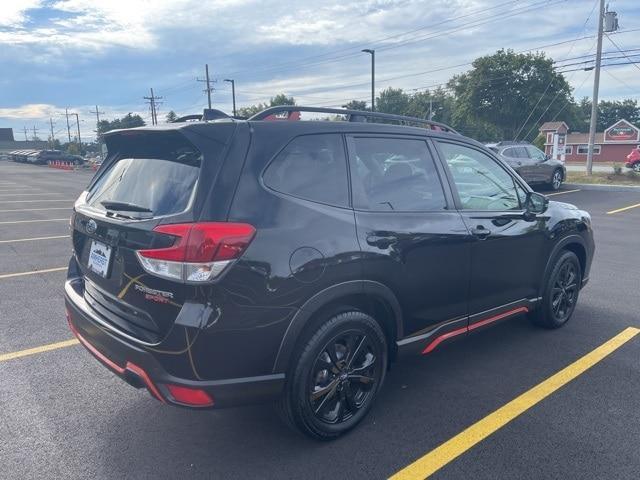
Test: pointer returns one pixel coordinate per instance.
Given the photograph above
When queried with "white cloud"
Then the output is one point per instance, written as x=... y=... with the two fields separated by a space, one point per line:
x=12 y=13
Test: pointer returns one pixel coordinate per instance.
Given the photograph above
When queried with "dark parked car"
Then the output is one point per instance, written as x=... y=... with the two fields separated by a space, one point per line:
x=531 y=163
x=236 y=261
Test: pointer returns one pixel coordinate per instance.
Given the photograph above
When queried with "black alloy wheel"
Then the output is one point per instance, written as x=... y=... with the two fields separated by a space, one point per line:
x=561 y=292
x=343 y=376
x=335 y=376
x=565 y=291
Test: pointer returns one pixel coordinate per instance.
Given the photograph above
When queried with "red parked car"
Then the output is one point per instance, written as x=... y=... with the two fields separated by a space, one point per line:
x=633 y=160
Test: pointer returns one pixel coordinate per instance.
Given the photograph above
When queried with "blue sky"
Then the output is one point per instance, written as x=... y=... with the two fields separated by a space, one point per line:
x=81 y=53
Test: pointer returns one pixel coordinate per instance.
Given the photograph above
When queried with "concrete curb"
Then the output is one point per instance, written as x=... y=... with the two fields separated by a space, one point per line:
x=605 y=188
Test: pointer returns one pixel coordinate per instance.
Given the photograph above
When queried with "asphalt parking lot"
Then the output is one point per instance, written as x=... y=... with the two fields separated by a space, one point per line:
x=66 y=416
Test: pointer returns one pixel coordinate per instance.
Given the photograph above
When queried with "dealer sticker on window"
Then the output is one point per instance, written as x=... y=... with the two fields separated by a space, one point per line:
x=99 y=257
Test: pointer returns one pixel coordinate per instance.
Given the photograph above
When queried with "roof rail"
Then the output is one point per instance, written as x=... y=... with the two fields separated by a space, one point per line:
x=352 y=115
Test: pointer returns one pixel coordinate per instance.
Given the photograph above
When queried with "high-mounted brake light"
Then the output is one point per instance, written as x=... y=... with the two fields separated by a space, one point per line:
x=200 y=251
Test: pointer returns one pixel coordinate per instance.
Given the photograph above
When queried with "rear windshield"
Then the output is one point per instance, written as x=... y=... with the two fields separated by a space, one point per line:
x=163 y=185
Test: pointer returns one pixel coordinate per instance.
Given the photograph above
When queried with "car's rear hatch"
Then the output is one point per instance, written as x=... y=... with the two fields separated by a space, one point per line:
x=150 y=178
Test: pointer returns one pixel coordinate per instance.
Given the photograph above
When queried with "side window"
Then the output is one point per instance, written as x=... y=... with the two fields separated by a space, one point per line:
x=536 y=154
x=312 y=167
x=395 y=174
x=481 y=183
x=509 y=152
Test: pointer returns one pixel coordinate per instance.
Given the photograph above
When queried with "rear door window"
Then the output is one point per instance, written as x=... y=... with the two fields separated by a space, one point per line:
x=394 y=174
x=163 y=183
x=312 y=167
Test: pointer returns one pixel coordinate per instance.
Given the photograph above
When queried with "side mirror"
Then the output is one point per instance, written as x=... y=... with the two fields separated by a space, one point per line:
x=535 y=203
x=547 y=157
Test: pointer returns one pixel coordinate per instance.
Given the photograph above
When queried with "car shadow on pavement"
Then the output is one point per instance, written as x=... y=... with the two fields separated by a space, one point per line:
x=424 y=402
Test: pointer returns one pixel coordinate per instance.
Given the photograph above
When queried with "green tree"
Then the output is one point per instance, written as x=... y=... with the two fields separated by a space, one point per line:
x=130 y=120
x=539 y=141
x=393 y=100
x=171 y=116
x=281 y=99
x=437 y=105
x=497 y=96
x=251 y=110
x=73 y=148
x=609 y=112
x=356 y=105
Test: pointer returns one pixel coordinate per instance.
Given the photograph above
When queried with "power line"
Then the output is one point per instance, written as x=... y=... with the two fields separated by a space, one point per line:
x=357 y=48
x=620 y=50
x=584 y=26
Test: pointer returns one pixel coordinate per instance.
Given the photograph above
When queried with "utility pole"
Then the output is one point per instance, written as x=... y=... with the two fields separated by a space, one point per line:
x=596 y=86
x=26 y=139
x=53 y=136
x=206 y=80
x=98 y=113
x=233 y=93
x=35 y=133
x=153 y=102
x=430 y=107
x=66 y=113
x=98 y=138
x=78 y=126
x=373 y=77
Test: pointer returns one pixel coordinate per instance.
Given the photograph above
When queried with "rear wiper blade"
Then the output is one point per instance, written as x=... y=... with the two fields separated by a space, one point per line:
x=124 y=206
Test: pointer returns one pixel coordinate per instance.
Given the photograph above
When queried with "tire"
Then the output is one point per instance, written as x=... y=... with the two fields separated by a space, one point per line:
x=561 y=292
x=636 y=167
x=556 y=180
x=329 y=391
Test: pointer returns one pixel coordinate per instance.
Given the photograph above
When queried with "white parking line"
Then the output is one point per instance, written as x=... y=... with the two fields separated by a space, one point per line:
x=33 y=239
x=33 y=272
x=562 y=193
x=34 y=209
x=36 y=221
x=27 y=194
x=35 y=201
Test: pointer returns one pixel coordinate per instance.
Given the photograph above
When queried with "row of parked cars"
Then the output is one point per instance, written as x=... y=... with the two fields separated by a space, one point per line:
x=42 y=157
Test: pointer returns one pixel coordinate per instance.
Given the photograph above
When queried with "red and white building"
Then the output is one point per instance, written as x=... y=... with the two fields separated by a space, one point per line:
x=612 y=145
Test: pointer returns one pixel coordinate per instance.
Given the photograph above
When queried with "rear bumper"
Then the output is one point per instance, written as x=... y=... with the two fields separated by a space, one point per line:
x=140 y=368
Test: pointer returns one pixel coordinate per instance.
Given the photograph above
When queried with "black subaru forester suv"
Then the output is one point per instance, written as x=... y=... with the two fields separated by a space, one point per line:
x=225 y=262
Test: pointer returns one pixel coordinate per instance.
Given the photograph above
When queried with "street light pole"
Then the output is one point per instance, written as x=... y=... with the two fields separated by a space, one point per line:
x=594 y=99
x=233 y=93
x=373 y=77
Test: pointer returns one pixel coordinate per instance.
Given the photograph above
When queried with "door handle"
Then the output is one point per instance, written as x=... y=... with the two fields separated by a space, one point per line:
x=480 y=232
x=382 y=242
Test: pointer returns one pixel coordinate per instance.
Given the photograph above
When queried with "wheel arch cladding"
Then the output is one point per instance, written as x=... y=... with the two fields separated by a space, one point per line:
x=572 y=243
x=372 y=298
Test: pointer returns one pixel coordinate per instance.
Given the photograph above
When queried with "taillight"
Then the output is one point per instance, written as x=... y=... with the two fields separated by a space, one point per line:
x=200 y=252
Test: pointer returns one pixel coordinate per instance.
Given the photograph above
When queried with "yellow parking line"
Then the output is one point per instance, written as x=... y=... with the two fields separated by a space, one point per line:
x=33 y=239
x=34 y=209
x=456 y=446
x=562 y=193
x=32 y=351
x=32 y=272
x=36 y=221
x=624 y=208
